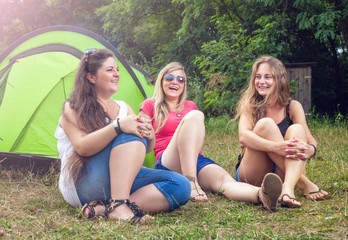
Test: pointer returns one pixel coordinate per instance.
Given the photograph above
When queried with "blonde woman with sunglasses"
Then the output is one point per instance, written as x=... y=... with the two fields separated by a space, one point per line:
x=179 y=132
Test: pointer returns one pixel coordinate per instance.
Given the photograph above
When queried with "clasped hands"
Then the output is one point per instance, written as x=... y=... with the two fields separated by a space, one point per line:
x=297 y=150
x=138 y=126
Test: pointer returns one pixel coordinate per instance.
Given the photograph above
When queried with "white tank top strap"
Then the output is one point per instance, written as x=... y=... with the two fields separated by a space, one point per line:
x=123 y=109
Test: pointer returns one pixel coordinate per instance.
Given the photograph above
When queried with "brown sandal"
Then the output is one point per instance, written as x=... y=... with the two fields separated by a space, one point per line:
x=269 y=192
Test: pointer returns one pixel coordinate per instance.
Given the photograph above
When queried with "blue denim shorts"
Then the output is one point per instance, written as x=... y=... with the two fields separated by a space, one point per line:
x=201 y=163
x=94 y=183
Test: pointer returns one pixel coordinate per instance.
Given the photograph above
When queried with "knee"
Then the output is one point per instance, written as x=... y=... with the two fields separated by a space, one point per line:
x=180 y=191
x=125 y=138
x=265 y=126
x=195 y=116
x=296 y=130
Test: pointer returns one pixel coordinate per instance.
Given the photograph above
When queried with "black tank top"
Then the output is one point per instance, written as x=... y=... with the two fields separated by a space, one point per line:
x=283 y=126
x=286 y=123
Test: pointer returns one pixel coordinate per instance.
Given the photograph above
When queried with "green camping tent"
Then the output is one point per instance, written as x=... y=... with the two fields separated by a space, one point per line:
x=36 y=76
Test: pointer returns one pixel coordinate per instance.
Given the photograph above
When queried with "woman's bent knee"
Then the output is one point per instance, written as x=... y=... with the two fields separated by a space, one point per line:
x=296 y=130
x=266 y=126
x=176 y=188
x=194 y=115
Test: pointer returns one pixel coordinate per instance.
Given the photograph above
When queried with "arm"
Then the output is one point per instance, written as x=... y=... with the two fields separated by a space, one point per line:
x=151 y=133
x=88 y=144
x=85 y=144
x=250 y=139
x=298 y=116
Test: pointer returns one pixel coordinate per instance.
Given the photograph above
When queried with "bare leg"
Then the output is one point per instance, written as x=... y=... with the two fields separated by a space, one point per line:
x=181 y=154
x=125 y=162
x=150 y=199
x=252 y=169
x=216 y=179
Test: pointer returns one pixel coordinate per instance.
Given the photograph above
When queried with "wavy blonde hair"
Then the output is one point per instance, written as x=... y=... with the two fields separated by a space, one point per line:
x=161 y=107
x=252 y=104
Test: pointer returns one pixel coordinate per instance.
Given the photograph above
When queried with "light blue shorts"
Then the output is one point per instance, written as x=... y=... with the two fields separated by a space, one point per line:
x=94 y=183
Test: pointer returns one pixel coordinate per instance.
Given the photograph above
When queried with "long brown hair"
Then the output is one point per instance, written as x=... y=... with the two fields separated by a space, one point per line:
x=252 y=104
x=161 y=107
x=83 y=100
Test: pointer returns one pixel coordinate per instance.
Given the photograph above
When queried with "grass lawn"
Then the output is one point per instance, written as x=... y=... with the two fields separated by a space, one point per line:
x=31 y=206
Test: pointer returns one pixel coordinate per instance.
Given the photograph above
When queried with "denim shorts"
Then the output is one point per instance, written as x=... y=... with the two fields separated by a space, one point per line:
x=94 y=183
x=201 y=163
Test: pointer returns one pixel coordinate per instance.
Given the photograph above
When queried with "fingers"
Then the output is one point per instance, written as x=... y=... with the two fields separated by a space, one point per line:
x=138 y=126
x=145 y=130
x=295 y=154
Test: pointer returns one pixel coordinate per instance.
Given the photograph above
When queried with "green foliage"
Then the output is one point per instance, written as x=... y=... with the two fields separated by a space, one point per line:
x=217 y=41
x=226 y=64
x=323 y=22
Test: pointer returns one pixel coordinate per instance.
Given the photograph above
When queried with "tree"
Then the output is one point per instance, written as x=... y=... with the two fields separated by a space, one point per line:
x=275 y=28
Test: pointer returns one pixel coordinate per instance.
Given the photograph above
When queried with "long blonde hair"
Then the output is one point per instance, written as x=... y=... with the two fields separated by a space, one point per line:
x=252 y=104
x=161 y=107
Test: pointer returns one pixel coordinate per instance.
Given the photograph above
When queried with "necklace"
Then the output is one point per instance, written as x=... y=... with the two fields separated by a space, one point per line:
x=178 y=115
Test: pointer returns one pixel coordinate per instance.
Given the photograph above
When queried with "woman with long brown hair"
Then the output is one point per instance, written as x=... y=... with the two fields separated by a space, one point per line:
x=102 y=145
x=274 y=133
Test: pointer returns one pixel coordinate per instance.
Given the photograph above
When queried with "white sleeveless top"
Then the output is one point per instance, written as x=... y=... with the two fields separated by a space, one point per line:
x=65 y=149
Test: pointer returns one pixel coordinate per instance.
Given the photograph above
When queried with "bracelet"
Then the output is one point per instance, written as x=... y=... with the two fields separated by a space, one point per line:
x=315 y=151
x=116 y=124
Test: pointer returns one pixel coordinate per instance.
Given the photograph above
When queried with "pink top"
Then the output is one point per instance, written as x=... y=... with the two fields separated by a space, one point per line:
x=164 y=136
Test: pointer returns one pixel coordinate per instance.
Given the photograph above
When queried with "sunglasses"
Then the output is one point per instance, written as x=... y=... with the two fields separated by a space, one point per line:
x=170 y=77
x=87 y=53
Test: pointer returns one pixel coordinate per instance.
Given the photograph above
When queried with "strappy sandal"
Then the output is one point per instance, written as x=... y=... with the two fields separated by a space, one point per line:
x=138 y=213
x=269 y=192
x=311 y=195
x=90 y=206
x=289 y=204
x=193 y=198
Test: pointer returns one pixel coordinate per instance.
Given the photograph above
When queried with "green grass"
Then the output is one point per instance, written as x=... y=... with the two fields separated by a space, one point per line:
x=31 y=206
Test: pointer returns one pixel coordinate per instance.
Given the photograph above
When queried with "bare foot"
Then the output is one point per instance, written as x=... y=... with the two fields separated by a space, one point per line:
x=99 y=211
x=197 y=194
x=124 y=210
x=318 y=195
x=288 y=201
x=93 y=209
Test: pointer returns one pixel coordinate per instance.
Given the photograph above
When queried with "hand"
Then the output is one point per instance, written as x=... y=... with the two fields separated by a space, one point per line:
x=145 y=128
x=297 y=150
x=129 y=125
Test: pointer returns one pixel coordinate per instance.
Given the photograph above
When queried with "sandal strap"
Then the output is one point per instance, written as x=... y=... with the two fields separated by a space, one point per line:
x=190 y=178
x=135 y=209
x=114 y=203
x=314 y=192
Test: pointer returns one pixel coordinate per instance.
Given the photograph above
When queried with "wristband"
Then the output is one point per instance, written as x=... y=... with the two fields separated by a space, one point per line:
x=116 y=124
x=315 y=151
